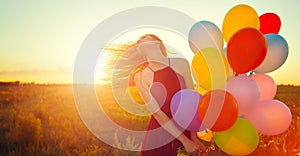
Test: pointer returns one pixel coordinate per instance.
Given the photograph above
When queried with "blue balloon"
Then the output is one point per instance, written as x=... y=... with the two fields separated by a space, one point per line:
x=276 y=55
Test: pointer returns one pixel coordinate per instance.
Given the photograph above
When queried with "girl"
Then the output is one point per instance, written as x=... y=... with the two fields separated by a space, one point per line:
x=157 y=80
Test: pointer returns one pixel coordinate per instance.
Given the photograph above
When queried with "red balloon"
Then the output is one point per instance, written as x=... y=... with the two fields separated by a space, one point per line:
x=218 y=110
x=269 y=23
x=246 y=50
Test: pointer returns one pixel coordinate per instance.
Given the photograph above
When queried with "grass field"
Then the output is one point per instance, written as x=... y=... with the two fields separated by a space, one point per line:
x=43 y=120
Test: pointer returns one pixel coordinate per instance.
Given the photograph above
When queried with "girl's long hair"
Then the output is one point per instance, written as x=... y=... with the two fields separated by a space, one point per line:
x=124 y=61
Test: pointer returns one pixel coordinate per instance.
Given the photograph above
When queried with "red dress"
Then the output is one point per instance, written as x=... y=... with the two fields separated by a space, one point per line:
x=166 y=83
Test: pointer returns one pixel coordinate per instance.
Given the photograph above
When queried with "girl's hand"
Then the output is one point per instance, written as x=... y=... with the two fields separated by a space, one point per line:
x=191 y=147
x=195 y=139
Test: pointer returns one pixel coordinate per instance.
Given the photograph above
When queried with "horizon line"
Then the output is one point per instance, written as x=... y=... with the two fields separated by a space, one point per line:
x=18 y=82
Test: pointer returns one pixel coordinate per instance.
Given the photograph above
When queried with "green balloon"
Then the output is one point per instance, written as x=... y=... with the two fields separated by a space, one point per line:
x=241 y=139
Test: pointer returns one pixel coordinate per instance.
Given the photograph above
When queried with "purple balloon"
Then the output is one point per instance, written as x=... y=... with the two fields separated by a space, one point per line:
x=184 y=108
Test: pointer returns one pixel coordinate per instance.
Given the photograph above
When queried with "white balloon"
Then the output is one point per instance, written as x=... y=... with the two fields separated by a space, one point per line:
x=205 y=34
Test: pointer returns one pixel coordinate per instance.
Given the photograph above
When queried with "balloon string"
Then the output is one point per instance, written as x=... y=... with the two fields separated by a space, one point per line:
x=250 y=73
x=211 y=146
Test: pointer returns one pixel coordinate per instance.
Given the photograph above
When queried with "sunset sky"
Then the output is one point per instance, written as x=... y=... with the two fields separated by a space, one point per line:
x=39 y=40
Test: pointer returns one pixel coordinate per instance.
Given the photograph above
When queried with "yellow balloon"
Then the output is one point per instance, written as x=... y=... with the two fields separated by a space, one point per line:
x=135 y=94
x=238 y=17
x=201 y=90
x=205 y=135
x=210 y=69
x=241 y=139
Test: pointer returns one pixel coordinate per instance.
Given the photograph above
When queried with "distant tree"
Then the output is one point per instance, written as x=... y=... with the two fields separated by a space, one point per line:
x=15 y=83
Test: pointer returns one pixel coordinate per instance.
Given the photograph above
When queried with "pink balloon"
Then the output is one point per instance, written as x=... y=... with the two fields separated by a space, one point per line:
x=267 y=86
x=184 y=108
x=246 y=92
x=270 y=117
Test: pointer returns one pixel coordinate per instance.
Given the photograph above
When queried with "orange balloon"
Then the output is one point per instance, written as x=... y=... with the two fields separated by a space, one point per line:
x=206 y=135
x=218 y=110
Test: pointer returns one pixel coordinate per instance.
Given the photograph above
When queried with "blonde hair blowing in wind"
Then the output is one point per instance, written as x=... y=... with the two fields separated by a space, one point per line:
x=124 y=60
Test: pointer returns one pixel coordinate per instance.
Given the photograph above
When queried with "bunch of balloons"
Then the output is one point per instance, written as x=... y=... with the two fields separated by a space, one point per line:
x=234 y=96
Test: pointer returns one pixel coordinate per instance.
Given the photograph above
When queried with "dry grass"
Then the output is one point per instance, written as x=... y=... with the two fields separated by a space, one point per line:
x=43 y=120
